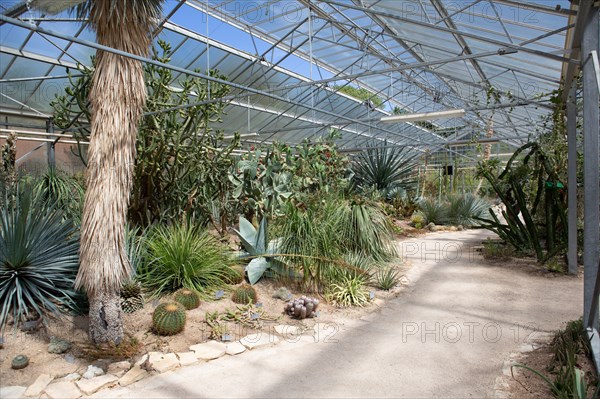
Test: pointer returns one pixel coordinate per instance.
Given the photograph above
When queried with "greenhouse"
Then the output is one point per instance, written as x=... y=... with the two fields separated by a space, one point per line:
x=215 y=190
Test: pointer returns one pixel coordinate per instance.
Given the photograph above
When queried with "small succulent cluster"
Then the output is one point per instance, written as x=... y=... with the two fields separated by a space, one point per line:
x=244 y=294
x=302 y=307
x=131 y=296
x=169 y=318
x=188 y=298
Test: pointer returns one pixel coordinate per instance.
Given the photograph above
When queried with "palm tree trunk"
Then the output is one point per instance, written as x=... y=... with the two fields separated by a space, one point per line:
x=117 y=97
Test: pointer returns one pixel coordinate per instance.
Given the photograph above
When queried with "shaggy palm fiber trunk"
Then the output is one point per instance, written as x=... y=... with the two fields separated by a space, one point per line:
x=117 y=97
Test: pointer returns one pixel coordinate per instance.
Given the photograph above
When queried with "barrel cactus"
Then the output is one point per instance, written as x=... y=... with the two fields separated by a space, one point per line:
x=20 y=362
x=188 y=298
x=131 y=296
x=237 y=274
x=244 y=294
x=168 y=318
x=302 y=308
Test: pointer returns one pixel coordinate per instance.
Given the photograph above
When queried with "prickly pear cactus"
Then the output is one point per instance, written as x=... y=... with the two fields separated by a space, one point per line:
x=302 y=308
x=244 y=294
x=168 y=318
x=188 y=298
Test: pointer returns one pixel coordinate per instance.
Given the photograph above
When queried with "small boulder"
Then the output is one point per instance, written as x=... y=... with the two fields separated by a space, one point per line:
x=283 y=293
x=460 y=227
x=92 y=371
x=58 y=345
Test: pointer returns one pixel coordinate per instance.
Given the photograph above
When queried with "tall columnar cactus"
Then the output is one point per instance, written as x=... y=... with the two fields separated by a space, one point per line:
x=244 y=294
x=168 y=318
x=302 y=307
x=188 y=298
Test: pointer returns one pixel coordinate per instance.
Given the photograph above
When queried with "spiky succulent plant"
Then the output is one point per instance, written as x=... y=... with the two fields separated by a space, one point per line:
x=132 y=298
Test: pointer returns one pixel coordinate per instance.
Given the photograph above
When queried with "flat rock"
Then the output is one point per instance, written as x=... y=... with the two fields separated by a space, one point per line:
x=72 y=377
x=92 y=385
x=38 y=385
x=141 y=361
x=209 y=350
x=235 y=348
x=63 y=389
x=163 y=362
x=119 y=368
x=258 y=340
x=287 y=330
x=187 y=358
x=378 y=302
x=13 y=391
x=92 y=371
x=136 y=373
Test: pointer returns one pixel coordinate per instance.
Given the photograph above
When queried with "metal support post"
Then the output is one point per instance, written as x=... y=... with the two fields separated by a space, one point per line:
x=591 y=174
x=572 y=179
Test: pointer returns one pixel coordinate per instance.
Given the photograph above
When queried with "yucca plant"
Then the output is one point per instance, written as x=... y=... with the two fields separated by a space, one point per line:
x=387 y=278
x=467 y=209
x=385 y=168
x=184 y=256
x=434 y=211
x=348 y=291
x=38 y=259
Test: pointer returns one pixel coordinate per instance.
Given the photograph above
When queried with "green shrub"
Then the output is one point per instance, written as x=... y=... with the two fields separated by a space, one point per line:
x=67 y=192
x=417 y=219
x=184 y=256
x=466 y=209
x=367 y=230
x=313 y=234
x=495 y=250
x=169 y=318
x=38 y=259
x=348 y=291
x=329 y=235
x=434 y=211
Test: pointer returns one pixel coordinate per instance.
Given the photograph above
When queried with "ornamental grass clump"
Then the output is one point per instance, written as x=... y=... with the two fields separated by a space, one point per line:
x=185 y=256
